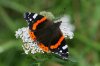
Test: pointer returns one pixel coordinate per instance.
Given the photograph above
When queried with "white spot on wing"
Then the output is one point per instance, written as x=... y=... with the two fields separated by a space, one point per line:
x=30 y=19
x=35 y=15
x=64 y=47
x=60 y=51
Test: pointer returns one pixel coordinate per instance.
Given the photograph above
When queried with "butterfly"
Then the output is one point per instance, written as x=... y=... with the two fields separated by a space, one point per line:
x=47 y=33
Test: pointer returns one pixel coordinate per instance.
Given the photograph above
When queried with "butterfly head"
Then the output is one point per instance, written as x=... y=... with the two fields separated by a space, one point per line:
x=30 y=17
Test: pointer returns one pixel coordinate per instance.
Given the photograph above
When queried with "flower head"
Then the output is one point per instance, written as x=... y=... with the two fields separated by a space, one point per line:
x=29 y=44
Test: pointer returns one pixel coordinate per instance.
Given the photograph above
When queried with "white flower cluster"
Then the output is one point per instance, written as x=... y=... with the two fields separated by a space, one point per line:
x=29 y=44
x=66 y=28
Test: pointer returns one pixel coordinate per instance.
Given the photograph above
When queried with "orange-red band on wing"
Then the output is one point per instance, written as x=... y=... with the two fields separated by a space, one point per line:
x=58 y=43
x=32 y=35
x=44 y=48
x=38 y=22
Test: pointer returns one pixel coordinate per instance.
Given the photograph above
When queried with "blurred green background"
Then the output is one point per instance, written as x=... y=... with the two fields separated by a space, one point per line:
x=84 y=48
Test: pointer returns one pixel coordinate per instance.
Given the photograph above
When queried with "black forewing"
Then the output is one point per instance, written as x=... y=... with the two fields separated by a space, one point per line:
x=48 y=34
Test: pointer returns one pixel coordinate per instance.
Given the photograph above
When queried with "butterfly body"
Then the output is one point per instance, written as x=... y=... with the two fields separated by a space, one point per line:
x=47 y=33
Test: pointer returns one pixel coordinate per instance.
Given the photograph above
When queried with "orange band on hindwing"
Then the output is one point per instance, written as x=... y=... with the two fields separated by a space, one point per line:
x=44 y=48
x=57 y=44
x=32 y=35
x=38 y=22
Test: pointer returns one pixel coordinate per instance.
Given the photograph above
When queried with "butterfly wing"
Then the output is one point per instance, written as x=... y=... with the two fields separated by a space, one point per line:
x=62 y=50
x=48 y=34
x=57 y=41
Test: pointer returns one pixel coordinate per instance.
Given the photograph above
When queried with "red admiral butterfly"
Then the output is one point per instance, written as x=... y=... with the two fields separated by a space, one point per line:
x=47 y=33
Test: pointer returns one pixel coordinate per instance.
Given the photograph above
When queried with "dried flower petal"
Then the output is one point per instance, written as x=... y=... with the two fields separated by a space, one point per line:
x=49 y=15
